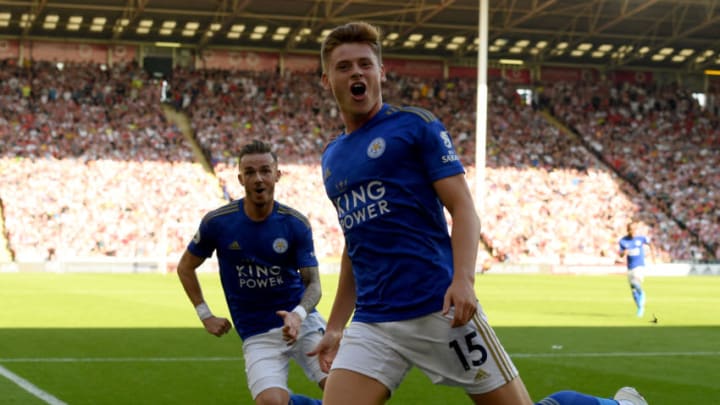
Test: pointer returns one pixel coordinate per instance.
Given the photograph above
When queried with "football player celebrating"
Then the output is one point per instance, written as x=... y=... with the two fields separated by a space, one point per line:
x=269 y=274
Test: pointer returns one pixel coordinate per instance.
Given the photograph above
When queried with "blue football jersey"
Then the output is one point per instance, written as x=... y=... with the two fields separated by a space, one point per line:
x=379 y=178
x=635 y=248
x=258 y=261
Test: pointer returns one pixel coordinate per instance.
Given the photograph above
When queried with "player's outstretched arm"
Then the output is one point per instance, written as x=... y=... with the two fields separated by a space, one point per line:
x=188 y=278
x=292 y=320
x=465 y=236
x=313 y=289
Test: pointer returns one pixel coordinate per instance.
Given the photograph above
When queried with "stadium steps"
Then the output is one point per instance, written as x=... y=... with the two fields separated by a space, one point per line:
x=181 y=120
x=559 y=125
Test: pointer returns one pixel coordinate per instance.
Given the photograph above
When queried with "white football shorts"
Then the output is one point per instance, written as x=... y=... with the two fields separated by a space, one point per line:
x=267 y=356
x=469 y=356
x=636 y=275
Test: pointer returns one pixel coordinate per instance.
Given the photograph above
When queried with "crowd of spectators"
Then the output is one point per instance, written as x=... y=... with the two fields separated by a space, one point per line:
x=228 y=108
x=91 y=167
x=548 y=197
x=659 y=139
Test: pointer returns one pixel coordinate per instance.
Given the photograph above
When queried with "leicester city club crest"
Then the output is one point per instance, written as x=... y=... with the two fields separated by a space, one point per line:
x=280 y=245
x=376 y=148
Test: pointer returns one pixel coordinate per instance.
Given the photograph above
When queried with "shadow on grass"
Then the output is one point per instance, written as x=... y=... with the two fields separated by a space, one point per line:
x=189 y=366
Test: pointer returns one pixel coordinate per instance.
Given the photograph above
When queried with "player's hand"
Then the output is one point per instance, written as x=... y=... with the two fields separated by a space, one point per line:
x=461 y=296
x=291 y=326
x=217 y=326
x=327 y=349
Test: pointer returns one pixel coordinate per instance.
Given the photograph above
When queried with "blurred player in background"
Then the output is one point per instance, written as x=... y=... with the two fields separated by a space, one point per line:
x=390 y=175
x=270 y=277
x=632 y=246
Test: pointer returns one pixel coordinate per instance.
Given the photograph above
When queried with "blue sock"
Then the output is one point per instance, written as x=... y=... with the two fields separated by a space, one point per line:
x=296 y=399
x=574 y=398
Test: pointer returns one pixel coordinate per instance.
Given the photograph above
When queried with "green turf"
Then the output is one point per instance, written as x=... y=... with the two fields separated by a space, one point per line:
x=120 y=339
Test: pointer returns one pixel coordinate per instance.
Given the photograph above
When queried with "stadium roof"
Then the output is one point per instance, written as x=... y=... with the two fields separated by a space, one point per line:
x=662 y=34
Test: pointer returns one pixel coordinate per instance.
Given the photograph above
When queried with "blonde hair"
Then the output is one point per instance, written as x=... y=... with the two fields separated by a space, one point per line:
x=348 y=33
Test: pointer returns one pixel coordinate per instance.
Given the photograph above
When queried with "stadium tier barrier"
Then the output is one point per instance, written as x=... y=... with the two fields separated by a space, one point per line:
x=102 y=265
x=660 y=270
x=331 y=266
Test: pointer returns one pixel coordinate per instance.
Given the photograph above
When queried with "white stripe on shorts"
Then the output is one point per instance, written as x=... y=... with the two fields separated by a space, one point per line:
x=494 y=347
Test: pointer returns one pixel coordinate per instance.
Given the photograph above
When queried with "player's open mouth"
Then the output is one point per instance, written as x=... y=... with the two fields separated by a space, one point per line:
x=357 y=89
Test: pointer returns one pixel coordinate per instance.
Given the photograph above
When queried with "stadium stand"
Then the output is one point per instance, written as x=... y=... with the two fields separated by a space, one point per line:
x=91 y=167
x=95 y=165
x=660 y=141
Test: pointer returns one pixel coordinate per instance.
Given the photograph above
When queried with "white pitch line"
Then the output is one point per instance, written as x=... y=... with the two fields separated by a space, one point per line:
x=616 y=354
x=559 y=353
x=117 y=359
x=30 y=387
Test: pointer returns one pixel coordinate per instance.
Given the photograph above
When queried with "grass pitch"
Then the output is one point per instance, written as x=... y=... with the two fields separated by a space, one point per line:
x=134 y=338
